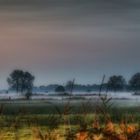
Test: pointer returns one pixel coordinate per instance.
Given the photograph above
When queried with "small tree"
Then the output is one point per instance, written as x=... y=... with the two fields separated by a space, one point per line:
x=116 y=83
x=135 y=81
x=60 y=89
x=70 y=86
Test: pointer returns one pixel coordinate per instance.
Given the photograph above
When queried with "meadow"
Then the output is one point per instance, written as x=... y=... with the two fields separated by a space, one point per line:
x=55 y=120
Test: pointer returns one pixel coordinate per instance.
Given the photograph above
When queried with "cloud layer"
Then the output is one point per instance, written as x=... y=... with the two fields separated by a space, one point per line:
x=61 y=39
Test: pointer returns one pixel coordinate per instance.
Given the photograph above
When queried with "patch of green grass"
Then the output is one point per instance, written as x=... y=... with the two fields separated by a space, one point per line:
x=20 y=114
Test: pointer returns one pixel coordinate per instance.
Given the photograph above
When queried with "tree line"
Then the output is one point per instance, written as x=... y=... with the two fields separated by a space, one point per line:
x=115 y=83
x=23 y=82
x=119 y=83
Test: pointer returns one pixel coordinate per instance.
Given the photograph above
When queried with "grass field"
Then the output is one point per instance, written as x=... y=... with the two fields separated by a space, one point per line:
x=31 y=120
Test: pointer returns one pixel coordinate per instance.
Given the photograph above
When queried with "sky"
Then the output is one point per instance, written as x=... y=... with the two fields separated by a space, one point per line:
x=58 y=40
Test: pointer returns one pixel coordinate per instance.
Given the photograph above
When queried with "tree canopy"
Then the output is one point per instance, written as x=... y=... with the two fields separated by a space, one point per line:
x=135 y=81
x=60 y=89
x=21 y=81
x=116 y=82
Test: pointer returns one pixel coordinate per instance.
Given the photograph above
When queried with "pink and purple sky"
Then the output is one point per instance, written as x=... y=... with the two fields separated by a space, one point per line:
x=58 y=40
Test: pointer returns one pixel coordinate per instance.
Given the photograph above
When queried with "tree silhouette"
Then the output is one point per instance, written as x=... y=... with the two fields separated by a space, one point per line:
x=60 y=89
x=21 y=81
x=116 y=83
x=135 y=81
x=15 y=80
x=70 y=86
x=27 y=82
